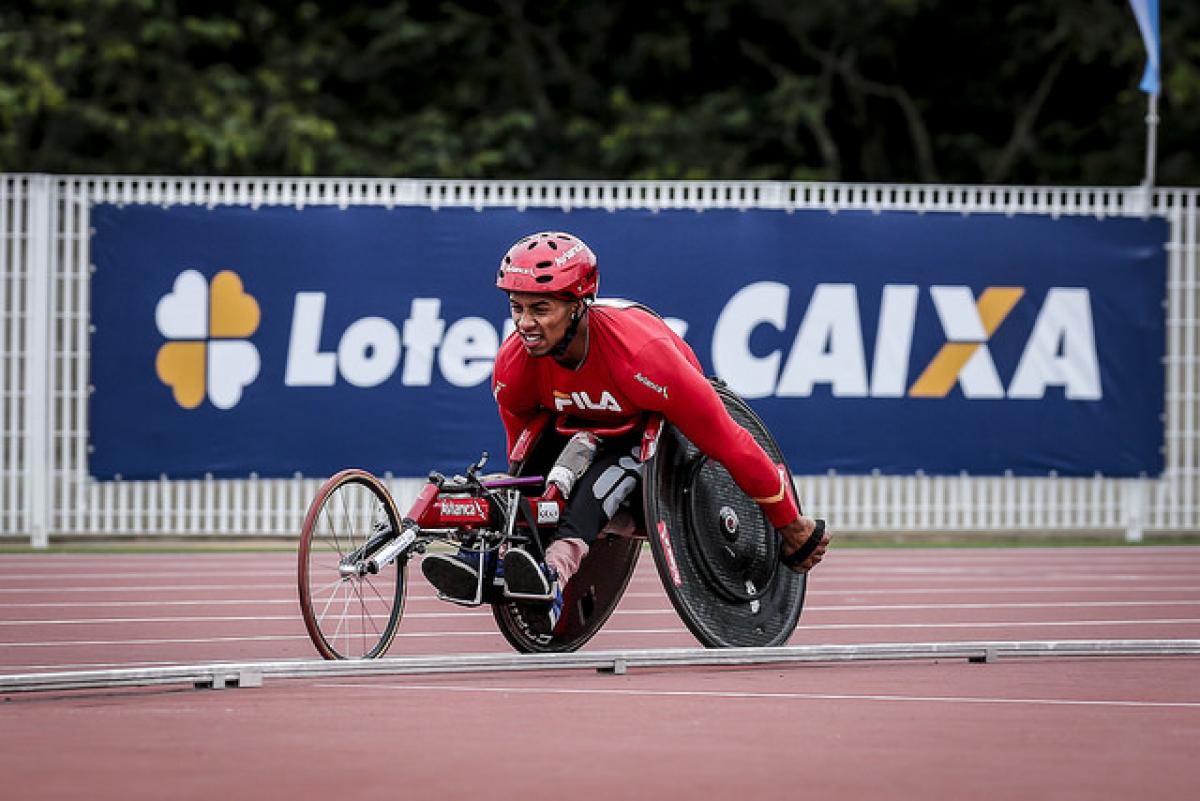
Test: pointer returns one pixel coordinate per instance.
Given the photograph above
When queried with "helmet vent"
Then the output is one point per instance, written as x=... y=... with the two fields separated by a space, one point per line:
x=543 y=265
x=553 y=245
x=544 y=279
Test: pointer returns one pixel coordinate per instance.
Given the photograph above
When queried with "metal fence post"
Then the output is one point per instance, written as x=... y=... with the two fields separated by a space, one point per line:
x=1135 y=509
x=39 y=315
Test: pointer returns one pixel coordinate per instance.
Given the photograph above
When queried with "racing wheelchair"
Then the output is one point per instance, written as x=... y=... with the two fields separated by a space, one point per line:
x=717 y=555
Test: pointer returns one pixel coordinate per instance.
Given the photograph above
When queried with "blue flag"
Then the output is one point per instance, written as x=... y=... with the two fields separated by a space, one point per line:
x=1146 y=12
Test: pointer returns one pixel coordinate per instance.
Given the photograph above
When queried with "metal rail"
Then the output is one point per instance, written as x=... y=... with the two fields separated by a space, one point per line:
x=253 y=674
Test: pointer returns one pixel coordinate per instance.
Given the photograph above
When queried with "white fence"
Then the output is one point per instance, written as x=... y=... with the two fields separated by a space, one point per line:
x=45 y=490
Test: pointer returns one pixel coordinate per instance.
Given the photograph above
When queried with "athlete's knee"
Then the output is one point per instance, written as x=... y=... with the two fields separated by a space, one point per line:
x=616 y=483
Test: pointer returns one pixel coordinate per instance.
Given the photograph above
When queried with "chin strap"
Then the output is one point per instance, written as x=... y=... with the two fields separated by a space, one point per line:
x=569 y=334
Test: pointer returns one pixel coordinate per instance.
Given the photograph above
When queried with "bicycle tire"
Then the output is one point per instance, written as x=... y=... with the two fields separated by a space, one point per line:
x=351 y=616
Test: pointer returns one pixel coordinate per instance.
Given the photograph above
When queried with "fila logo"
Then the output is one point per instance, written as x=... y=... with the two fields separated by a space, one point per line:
x=582 y=400
x=1060 y=351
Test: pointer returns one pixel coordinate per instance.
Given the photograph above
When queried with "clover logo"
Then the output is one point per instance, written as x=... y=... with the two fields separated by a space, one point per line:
x=207 y=352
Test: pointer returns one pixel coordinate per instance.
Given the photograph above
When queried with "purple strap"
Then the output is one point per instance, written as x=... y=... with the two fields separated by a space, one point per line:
x=522 y=481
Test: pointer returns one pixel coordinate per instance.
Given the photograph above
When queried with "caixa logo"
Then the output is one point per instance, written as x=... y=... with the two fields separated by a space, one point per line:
x=828 y=348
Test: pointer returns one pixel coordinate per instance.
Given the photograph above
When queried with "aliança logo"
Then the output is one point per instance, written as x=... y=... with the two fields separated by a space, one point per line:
x=207 y=354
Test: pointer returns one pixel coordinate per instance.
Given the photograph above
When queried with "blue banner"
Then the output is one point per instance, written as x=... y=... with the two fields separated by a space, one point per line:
x=278 y=341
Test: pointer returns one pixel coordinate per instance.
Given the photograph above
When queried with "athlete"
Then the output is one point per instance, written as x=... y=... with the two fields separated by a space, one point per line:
x=604 y=364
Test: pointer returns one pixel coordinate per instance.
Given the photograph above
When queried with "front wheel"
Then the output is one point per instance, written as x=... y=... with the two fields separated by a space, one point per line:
x=349 y=612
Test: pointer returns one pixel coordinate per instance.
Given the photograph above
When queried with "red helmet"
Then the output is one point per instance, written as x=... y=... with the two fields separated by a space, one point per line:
x=551 y=262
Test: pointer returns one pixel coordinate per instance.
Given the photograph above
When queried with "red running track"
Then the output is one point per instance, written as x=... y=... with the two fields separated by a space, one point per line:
x=1087 y=728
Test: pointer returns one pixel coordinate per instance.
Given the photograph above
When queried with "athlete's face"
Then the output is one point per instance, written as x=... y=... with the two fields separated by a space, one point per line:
x=541 y=320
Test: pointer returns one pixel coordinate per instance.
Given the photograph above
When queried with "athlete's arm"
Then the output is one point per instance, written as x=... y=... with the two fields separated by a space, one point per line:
x=516 y=395
x=663 y=380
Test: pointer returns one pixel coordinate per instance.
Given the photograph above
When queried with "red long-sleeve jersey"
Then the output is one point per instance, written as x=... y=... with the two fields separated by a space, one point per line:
x=635 y=363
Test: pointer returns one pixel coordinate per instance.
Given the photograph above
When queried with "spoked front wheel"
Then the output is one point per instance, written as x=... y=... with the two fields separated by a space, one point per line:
x=350 y=612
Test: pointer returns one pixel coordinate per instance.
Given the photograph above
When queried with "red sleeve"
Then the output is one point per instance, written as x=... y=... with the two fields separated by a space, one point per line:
x=669 y=384
x=515 y=394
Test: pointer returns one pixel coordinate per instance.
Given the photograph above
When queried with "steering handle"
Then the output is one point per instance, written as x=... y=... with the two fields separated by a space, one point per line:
x=561 y=425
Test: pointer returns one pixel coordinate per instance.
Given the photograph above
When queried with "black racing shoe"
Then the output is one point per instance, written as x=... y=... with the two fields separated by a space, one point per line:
x=455 y=579
x=527 y=580
x=541 y=616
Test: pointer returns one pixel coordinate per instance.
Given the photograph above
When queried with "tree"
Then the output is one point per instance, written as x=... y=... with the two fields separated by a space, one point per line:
x=860 y=90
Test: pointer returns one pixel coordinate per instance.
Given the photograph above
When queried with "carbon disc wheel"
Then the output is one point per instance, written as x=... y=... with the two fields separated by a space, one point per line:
x=716 y=553
x=739 y=563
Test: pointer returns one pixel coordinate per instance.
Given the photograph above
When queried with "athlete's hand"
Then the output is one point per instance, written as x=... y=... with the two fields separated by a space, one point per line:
x=795 y=534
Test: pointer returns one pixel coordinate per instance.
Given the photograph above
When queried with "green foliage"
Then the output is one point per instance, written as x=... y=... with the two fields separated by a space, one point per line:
x=864 y=90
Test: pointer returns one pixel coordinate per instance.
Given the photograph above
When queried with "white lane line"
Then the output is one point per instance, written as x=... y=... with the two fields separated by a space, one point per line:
x=1001 y=605
x=735 y=695
x=821 y=591
x=824 y=590
x=58 y=575
x=1020 y=575
x=461 y=613
x=997 y=624
x=952 y=554
x=492 y=631
x=852 y=607
x=161 y=641
x=9 y=564
x=150 y=588
x=164 y=619
x=985 y=566
x=889 y=575
x=84 y=621
x=417 y=635
x=130 y=604
x=835 y=574
x=1116 y=550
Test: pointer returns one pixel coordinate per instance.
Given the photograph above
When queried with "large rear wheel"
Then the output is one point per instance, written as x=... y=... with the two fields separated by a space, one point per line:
x=591 y=596
x=349 y=612
x=593 y=592
x=716 y=552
